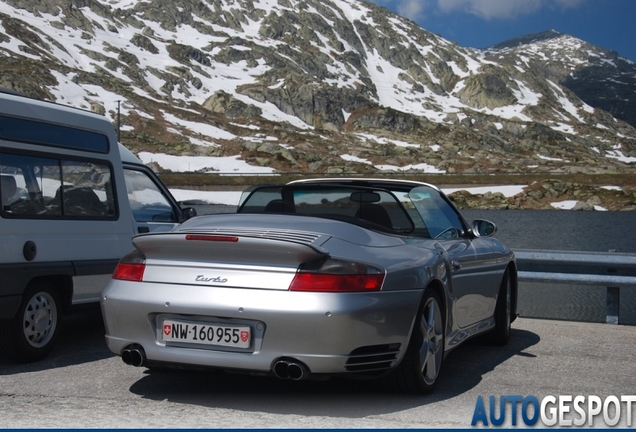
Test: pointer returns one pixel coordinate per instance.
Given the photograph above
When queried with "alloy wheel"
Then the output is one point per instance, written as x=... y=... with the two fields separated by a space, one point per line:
x=431 y=350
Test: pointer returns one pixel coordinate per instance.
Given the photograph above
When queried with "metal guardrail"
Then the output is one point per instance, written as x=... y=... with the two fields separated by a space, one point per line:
x=610 y=269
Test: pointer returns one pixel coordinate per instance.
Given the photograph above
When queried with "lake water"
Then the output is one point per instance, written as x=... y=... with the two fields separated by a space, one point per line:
x=593 y=231
x=562 y=230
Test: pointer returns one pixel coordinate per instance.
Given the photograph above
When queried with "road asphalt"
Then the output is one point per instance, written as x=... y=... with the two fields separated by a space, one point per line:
x=82 y=385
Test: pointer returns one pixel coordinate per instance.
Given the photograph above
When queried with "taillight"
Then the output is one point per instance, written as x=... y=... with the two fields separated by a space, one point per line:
x=131 y=267
x=337 y=276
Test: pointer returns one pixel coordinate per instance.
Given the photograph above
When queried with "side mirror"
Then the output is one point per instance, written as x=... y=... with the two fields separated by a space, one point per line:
x=188 y=213
x=484 y=228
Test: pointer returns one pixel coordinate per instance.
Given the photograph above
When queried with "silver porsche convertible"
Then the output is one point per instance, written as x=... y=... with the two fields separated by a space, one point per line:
x=316 y=278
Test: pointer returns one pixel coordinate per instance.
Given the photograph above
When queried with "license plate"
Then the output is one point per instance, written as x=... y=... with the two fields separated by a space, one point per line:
x=206 y=334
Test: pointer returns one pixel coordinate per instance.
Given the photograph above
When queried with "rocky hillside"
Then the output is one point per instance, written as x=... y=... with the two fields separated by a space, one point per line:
x=321 y=87
x=551 y=194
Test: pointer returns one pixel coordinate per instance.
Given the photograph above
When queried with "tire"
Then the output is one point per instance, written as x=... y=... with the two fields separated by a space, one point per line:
x=420 y=367
x=32 y=333
x=500 y=334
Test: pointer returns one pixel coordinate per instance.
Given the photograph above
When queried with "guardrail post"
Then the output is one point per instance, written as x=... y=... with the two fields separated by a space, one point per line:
x=612 y=300
x=613 y=305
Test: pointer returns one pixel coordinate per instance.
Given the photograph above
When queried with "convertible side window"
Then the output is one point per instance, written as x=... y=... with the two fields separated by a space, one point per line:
x=436 y=215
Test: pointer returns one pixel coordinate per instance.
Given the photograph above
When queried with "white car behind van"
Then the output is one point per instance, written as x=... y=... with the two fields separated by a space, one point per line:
x=71 y=199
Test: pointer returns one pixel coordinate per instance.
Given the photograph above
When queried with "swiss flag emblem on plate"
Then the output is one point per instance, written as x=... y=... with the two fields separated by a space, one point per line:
x=167 y=328
x=245 y=335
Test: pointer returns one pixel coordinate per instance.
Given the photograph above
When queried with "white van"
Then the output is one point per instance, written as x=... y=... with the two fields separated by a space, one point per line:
x=71 y=199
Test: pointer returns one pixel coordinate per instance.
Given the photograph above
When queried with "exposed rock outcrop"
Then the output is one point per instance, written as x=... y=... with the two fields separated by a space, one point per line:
x=320 y=86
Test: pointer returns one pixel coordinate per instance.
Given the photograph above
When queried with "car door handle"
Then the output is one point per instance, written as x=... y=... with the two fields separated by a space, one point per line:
x=456 y=265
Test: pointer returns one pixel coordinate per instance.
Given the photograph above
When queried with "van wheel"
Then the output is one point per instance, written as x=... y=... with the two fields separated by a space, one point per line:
x=30 y=336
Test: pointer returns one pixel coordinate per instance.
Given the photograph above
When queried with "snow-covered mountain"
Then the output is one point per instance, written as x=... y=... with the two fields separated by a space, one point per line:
x=598 y=76
x=317 y=86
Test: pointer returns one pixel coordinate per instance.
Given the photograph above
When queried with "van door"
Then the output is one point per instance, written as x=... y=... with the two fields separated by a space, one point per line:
x=153 y=207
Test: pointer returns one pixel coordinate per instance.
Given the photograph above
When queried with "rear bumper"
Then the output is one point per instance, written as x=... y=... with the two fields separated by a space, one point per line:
x=322 y=330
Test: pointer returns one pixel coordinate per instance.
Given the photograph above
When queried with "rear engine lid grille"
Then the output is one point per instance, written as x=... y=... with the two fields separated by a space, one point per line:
x=304 y=237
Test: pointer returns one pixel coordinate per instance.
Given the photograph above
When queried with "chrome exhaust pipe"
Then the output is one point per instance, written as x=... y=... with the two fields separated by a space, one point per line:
x=126 y=356
x=134 y=357
x=296 y=371
x=290 y=369
x=280 y=369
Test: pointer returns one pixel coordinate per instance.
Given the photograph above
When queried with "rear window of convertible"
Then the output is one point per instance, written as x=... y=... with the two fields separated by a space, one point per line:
x=378 y=207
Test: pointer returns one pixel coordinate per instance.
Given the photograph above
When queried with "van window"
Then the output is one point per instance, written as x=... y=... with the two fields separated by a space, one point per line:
x=47 y=187
x=147 y=202
x=31 y=131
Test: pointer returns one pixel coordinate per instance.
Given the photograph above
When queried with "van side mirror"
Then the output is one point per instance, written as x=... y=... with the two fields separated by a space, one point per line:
x=188 y=213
